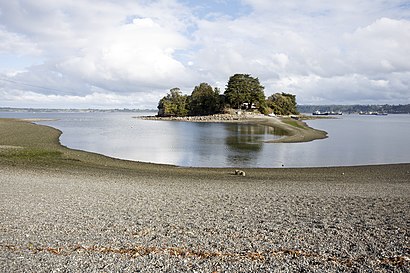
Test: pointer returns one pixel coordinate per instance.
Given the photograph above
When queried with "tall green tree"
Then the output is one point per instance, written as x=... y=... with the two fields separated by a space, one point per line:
x=282 y=104
x=204 y=100
x=173 y=104
x=242 y=88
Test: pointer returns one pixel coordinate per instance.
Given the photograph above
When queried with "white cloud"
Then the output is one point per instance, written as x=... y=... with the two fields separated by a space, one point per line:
x=17 y=44
x=94 y=99
x=308 y=49
x=330 y=52
x=140 y=53
x=111 y=46
x=380 y=46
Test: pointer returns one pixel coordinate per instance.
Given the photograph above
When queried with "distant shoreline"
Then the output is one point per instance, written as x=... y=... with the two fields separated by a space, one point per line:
x=295 y=129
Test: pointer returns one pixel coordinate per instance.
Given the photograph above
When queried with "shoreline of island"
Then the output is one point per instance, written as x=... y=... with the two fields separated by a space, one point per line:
x=295 y=129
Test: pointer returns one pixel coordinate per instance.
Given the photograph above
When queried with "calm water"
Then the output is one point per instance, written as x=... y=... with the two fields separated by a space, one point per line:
x=353 y=140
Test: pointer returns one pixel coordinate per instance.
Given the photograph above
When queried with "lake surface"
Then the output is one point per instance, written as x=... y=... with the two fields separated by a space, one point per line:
x=353 y=140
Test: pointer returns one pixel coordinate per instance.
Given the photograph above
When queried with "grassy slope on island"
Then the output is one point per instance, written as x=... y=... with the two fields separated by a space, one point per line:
x=296 y=130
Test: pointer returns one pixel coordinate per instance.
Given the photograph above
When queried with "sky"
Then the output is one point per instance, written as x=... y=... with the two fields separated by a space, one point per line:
x=130 y=53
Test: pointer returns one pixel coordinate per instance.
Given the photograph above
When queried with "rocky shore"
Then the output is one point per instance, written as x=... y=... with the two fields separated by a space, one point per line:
x=209 y=118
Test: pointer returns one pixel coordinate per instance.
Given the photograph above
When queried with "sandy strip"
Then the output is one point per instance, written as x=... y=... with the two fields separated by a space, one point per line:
x=80 y=212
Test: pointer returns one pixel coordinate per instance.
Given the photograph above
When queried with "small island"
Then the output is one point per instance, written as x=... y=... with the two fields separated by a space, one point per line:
x=243 y=101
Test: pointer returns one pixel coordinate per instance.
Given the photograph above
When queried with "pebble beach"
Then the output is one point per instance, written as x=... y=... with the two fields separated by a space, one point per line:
x=70 y=211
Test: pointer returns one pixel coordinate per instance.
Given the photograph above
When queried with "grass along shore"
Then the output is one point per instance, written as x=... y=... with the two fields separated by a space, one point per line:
x=69 y=210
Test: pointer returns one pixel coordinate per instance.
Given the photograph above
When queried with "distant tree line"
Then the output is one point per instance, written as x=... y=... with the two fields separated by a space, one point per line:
x=242 y=92
x=385 y=108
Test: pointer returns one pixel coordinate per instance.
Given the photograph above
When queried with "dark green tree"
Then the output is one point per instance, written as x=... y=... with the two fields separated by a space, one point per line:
x=173 y=104
x=242 y=88
x=204 y=100
x=282 y=104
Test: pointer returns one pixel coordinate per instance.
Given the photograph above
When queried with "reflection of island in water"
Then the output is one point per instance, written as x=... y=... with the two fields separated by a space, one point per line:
x=245 y=141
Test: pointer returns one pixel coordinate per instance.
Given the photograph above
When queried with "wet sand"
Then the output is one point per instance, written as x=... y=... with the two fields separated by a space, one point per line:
x=67 y=210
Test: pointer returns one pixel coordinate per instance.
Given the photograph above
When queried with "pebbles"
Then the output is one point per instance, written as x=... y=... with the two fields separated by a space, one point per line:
x=60 y=221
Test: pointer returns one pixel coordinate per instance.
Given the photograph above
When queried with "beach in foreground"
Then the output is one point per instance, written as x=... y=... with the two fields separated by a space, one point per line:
x=67 y=210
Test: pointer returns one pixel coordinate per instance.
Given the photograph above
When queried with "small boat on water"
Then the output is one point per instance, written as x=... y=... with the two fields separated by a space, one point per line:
x=319 y=113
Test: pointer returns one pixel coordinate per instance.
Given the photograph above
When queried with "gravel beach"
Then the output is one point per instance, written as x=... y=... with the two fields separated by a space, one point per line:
x=69 y=211
x=59 y=221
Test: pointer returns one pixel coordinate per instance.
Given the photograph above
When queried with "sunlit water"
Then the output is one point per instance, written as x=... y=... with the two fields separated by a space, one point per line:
x=353 y=140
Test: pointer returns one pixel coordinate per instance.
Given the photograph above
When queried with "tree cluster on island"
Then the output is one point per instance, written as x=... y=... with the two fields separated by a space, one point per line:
x=242 y=92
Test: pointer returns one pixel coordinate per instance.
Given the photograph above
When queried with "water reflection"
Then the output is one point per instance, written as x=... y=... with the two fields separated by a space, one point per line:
x=245 y=142
x=243 y=137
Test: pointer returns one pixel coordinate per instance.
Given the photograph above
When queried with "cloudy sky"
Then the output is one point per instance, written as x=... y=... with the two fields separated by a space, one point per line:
x=129 y=53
